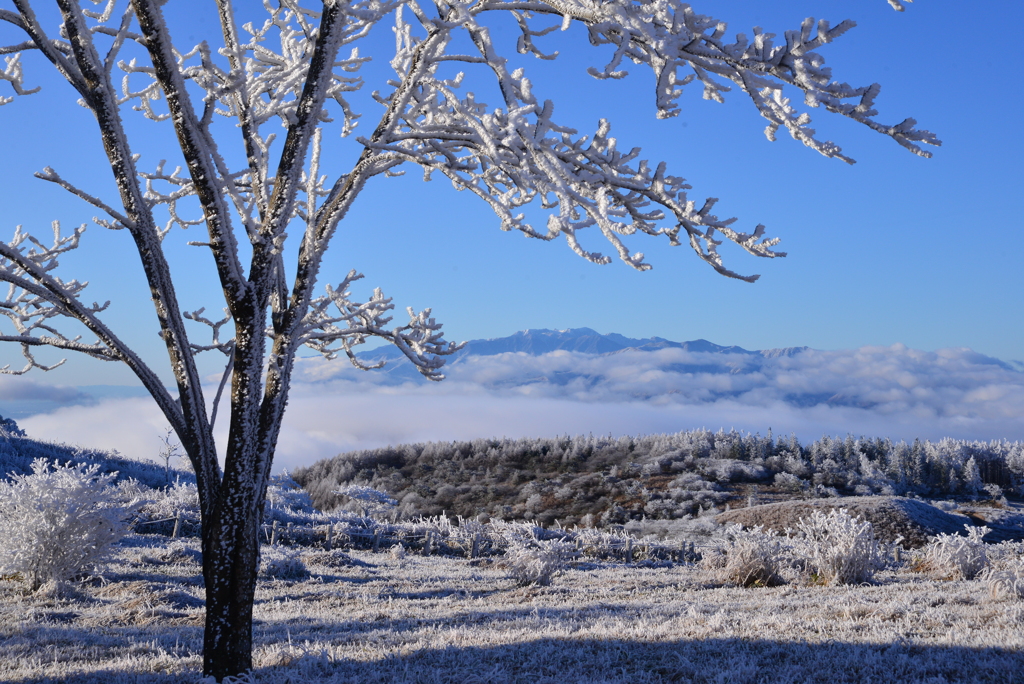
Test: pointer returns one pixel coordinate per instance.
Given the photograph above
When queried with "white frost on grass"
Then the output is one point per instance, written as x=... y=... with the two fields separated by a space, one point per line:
x=754 y=558
x=385 y=619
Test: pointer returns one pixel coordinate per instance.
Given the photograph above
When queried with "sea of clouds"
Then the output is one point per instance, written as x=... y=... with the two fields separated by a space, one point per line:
x=893 y=392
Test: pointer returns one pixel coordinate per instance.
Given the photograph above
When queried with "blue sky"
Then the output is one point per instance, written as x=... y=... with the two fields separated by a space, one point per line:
x=895 y=249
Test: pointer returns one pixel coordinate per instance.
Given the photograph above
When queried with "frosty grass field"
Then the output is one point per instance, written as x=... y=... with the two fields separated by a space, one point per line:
x=361 y=616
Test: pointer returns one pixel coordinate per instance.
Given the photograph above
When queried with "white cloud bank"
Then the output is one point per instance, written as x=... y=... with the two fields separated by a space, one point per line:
x=875 y=391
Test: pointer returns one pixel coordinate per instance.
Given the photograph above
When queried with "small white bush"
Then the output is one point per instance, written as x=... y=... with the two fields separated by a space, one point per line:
x=538 y=564
x=285 y=493
x=283 y=564
x=950 y=556
x=754 y=558
x=840 y=549
x=58 y=522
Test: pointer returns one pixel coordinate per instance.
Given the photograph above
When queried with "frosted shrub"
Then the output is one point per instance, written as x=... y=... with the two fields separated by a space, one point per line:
x=820 y=491
x=1005 y=574
x=788 y=482
x=950 y=556
x=372 y=501
x=601 y=543
x=284 y=493
x=178 y=497
x=538 y=564
x=283 y=564
x=516 y=534
x=754 y=557
x=840 y=549
x=58 y=522
x=1006 y=583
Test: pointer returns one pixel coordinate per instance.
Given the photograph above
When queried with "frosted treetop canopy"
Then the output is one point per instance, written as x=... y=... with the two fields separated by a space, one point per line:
x=508 y=154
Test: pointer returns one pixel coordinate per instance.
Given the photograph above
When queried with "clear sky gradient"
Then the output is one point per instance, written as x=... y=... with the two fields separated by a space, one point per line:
x=895 y=249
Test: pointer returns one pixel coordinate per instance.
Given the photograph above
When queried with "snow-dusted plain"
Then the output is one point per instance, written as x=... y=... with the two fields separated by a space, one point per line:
x=951 y=611
x=378 y=617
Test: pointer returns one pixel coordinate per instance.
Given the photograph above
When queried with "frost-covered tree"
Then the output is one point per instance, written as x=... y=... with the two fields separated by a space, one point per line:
x=263 y=197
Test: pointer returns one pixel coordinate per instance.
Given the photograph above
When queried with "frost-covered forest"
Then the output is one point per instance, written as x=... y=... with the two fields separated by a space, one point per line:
x=590 y=480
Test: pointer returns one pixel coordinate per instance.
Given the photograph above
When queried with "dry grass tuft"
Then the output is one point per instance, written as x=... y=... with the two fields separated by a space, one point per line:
x=952 y=557
x=331 y=560
x=537 y=565
x=841 y=549
x=754 y=558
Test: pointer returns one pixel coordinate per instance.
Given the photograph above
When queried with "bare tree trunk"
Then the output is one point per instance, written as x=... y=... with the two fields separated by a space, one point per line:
x=231 y=530
x=230 y=557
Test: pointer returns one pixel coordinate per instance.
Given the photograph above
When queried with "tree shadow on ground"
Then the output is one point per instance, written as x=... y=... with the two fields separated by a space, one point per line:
x=571 y=661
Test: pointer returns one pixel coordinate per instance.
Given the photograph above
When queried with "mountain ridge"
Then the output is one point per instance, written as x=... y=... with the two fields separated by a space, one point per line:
x=537 y=341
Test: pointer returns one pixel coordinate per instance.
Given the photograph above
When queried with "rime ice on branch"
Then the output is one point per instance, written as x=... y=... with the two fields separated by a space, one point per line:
x=294 y=71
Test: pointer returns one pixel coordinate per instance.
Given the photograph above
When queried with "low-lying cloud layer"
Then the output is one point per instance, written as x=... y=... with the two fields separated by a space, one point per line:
x=22 y=396
x=877 y=391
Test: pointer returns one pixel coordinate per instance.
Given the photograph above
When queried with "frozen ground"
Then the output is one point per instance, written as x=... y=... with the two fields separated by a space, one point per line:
x=912 y=521
x=365 y=617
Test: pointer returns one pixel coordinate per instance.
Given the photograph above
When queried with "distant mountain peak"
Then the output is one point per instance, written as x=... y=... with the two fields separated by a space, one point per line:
x=538 y=341
x=782 y=351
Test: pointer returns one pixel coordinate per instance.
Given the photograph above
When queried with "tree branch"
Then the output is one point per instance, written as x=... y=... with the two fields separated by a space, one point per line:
x=65 y=300
x=29 y=23
x=250 y=130
x=195 y=146
x=195 y=435
x=48 y=174
x=307 y=116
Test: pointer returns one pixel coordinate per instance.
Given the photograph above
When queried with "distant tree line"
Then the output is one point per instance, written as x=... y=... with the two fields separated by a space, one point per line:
x=592 y=480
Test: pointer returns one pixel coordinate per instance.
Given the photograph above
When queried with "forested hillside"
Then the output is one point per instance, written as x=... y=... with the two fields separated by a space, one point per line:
x=17 y=451
x=602 y=480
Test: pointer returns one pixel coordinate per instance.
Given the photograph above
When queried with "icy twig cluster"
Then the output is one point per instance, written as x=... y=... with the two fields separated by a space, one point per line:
x=671 y=39
x=351 y=323
x=37 y=299
x=514 y=153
